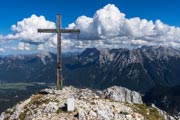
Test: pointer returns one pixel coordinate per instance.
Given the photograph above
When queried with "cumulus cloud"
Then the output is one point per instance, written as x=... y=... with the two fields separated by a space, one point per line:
x=2 y=50
x=26 y=30
x=24 y=46
x=108 y=28
x=111 y=28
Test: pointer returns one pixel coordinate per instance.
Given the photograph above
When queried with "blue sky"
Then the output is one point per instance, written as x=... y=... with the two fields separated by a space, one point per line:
x=12 y=11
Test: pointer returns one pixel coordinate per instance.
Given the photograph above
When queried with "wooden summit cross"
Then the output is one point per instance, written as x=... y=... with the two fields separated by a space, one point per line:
x=58 y=30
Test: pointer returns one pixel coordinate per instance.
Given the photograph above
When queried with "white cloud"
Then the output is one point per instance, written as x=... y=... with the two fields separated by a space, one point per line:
x=2 y=50
x=26 y=30
x=24 y=46
x=111 y=28
x=108 y=27
x=105 y=23
x=108 y=21
x=87 y=27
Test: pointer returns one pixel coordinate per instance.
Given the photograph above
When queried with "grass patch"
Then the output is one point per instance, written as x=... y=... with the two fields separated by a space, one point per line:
x=17 y=86
x=149 y=113
x=36 y=101
x=55 y=100
x=59 y=111
x=9 y=112
x=22 y=116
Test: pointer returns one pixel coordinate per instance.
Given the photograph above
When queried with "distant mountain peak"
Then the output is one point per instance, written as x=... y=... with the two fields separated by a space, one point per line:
x=89 y=51
x=43 y=56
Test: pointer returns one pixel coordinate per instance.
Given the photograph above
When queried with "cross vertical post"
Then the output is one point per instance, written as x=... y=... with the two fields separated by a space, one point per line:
x=59 y=64
x=58 y=30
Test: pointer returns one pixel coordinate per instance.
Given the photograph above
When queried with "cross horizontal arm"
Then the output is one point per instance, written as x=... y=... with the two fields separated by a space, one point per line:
x=61 y=30
x=69 y=30
x=47 y=30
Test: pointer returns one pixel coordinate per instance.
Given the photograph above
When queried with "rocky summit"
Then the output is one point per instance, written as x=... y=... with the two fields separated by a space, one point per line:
x=115 y=103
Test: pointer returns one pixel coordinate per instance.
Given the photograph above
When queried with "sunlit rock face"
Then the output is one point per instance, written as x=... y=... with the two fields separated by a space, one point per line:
x=122 y=94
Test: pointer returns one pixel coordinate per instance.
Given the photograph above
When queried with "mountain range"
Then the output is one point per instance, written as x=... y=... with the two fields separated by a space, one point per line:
x=152 y=71
x=139 y=69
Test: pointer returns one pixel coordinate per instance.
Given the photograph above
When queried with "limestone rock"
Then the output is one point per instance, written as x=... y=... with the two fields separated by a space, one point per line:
x=88 y=106
x=122 y=94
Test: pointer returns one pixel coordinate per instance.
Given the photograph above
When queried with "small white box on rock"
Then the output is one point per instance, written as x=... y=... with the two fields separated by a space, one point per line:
x=70 y=104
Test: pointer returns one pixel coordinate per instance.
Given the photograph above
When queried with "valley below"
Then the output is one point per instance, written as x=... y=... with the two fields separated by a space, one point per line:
x=12 y=93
